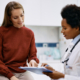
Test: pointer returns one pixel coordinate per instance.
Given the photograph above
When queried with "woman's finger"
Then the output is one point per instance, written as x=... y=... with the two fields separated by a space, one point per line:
x=35 y=64
x=29 y=64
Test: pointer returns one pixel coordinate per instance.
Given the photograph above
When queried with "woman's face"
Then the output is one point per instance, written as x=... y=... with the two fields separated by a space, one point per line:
x=68 y=32
x=17 y=18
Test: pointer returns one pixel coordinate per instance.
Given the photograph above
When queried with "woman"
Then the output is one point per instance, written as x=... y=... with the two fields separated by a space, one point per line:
x=17 y=44
x=71 y=30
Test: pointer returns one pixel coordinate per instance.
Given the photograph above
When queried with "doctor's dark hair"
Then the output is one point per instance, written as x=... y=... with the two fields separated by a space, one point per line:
x=7 y=14
x=72 y=15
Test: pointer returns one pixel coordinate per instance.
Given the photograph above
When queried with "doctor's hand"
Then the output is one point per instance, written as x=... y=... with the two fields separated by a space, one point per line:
x=33 y=63
x=47 y=66
x=55 y=74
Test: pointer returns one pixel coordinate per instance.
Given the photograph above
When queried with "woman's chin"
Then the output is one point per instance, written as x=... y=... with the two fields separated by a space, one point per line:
x=20 y=26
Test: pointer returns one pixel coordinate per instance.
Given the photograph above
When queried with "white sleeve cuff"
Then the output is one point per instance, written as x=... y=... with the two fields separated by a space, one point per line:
x=70 y=77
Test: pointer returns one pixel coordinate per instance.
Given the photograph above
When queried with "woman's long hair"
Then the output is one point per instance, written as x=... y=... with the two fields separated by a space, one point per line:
x=7 y=14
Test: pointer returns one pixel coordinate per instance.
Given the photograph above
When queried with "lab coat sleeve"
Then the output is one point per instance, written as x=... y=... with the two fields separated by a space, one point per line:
x=70 y=77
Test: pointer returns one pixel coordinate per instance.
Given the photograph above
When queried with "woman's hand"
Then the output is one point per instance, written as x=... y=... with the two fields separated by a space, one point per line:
x=33 y=63
x=55 y=74
x=14 y=78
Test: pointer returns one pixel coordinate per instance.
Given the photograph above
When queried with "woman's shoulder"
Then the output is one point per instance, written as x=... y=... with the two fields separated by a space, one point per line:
x=1 y=29
x=28 y=30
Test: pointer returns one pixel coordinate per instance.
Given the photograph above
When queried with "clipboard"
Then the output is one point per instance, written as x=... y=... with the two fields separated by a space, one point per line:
x=37 y=70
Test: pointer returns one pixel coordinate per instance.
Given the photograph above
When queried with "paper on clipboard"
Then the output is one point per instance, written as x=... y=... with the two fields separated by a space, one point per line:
x=37 y=70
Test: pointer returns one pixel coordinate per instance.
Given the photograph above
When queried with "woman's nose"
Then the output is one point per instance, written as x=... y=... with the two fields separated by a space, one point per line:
x=20 y=19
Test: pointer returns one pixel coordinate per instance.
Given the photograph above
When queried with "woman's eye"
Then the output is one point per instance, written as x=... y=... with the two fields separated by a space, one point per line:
x=15 y=18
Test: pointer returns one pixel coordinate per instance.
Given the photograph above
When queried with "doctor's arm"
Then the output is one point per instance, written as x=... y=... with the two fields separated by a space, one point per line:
x=55 y=74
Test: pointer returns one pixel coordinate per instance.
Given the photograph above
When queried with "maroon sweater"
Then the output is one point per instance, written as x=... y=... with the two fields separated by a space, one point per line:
x=16 y=46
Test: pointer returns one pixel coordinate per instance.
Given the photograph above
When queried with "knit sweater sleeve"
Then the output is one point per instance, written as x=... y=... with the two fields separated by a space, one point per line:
x=3 y=68
x=33 y=50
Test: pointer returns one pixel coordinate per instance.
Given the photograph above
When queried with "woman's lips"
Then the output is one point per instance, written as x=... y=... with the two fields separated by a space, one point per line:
x=20 y=23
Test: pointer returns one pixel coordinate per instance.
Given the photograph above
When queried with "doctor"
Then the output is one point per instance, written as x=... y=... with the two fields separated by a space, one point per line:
x=71 y=30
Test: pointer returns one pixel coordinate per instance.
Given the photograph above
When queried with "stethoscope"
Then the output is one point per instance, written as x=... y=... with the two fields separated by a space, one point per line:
x=66 y=60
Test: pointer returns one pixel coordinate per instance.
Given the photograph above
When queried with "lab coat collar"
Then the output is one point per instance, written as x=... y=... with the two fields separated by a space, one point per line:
x=74 y=54
x=76 y=39
x=69 y=48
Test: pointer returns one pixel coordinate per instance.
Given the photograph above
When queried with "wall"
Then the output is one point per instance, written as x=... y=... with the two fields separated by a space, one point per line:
x=41 y=16
x=45 y=34
x=40 y=12
x=48 y=37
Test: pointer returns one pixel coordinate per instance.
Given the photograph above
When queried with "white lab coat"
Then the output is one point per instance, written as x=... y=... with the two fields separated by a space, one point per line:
x=73 y=73
x=72 y=70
